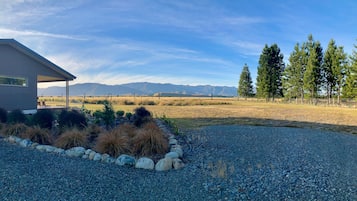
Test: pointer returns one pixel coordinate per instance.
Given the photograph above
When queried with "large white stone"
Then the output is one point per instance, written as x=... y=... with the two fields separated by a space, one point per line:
x=172 y=155
x=91 y=155
x=75 y=152
x=164 y=164
x=97 y=157
x=145 y=163
x=14 y=139
x=105 y=158
x=47 y=148
x=125 y=160
x=173 y=141
x=178 y=151
x=25 y=143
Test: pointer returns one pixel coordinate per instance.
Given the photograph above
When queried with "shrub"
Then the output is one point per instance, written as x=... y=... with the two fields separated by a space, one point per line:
x=72 y=119
x=16 y=116
x=141 y=116
x=39 y=135
x=43 y=118
x=128 y=115
x=150 y=140
x=120 y=113
x=108 y=115
x=72 y=138
x=3 y=115
x=15 y=129
x=113 y=143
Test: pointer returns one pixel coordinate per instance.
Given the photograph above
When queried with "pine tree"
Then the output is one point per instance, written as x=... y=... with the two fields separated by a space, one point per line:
x=270 y=69
x=245 y=86
x=350 y=87
x=312 y=76
x=339 y=71
x=293 y=75
x=328 y=69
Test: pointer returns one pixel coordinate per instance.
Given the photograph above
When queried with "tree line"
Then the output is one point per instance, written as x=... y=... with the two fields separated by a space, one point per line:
x=311 y=73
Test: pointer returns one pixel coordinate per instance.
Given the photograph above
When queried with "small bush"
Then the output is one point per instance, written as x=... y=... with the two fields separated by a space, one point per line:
x=150 y=140
x=128 y=115
x=141 y=116
x=39 y=135
x=15 y=129
x=43 y=118
x=16 y=116
x=127 y=102
x=120 y=113
x=72 y=138
x=3 y=115
x=113 y=143
x=72 y=119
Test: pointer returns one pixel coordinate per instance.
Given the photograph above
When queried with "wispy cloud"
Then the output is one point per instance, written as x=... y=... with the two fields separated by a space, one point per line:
x=4 y=32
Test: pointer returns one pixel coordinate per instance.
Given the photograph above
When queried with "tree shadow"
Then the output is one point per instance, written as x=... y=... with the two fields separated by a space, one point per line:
x=191 y=123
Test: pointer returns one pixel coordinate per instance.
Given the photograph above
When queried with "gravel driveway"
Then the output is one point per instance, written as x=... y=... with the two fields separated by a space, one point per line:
x=223 y=163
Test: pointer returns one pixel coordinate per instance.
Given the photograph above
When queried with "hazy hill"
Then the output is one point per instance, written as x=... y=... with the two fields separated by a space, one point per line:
x=140 y=88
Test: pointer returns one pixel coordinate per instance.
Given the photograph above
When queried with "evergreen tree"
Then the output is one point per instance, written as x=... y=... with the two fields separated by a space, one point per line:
x=293 y=76
x=328 y=69
x=350 y=87
x=339 y=71
x=271 y=66
x=313 y=74
x=245 y=86
x=334 y=70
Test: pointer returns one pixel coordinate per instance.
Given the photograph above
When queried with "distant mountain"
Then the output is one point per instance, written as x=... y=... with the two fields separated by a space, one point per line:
x=140 y=89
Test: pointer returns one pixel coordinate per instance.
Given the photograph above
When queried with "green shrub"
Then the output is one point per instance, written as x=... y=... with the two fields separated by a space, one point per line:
x=16 y=116
x=39 y=135
x=120 y=113
x=141 y=116
x=3 y=115
x=72 y=119
x=43 y=119
x=128 y=115
x=72 y=138
x=108 y=115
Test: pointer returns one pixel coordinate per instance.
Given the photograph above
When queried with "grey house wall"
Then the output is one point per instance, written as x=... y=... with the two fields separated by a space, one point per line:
x=15 y=64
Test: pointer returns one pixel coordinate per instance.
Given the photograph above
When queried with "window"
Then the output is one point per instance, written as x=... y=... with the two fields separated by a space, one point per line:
x=13 y=81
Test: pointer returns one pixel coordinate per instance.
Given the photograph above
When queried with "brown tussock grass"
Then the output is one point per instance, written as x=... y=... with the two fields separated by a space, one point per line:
x=149 y=140
x=114 y=143
x=39 y=135
x=72 y=138
x=14 y=129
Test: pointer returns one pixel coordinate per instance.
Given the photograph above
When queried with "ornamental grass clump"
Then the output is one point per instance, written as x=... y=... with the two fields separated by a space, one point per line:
x=149 y=140
x=14 y=129
x=72 y=138
x=114 y=143
x=39 y=135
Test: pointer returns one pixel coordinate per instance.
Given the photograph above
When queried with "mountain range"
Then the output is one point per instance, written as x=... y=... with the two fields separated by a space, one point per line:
x=140 y=89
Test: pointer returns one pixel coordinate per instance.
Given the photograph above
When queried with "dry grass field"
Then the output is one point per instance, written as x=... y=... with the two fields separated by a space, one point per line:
x=189 y=112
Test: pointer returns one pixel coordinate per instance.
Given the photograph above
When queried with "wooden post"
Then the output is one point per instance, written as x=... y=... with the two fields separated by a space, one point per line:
x=67 y=94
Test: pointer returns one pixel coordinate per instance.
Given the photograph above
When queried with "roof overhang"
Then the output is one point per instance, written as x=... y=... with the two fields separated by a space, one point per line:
x=63 y=75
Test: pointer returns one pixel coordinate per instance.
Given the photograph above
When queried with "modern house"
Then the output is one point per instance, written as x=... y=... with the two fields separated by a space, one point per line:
x=20 y=71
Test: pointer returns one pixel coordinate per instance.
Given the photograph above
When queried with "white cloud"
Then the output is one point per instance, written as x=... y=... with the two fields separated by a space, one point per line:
x=12 y=33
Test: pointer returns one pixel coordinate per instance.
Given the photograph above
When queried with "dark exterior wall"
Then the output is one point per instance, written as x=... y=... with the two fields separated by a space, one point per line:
x=14 y=63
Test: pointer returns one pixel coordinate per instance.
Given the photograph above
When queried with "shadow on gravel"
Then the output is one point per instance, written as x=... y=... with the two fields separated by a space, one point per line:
x=190 y=123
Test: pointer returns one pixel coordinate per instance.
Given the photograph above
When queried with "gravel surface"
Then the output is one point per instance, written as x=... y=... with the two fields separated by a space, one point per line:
x=223 y=163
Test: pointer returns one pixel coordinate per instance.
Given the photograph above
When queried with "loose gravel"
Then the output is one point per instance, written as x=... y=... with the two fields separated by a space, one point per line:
x=222 y=163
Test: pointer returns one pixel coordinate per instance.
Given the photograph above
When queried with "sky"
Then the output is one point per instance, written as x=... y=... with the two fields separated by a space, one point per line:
x=190 y=42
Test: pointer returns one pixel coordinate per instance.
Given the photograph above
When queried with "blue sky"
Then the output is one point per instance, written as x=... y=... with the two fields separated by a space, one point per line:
x=193 y=42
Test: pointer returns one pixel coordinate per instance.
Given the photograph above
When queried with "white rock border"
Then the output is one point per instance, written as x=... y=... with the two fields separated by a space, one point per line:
x=172 y=159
